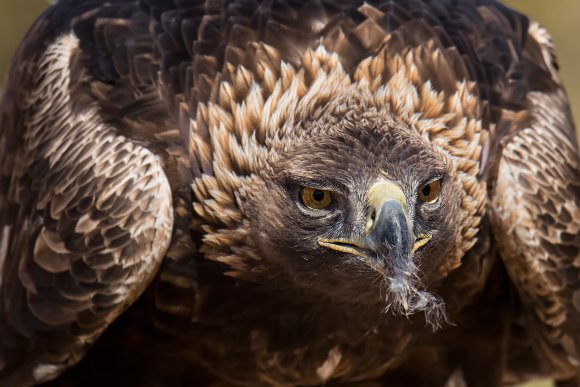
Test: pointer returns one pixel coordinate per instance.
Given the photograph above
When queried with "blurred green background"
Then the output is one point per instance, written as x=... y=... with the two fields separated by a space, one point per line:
x=561 y=17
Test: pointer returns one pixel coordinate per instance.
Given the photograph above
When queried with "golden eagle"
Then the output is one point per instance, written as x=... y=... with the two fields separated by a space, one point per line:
x=287 y=192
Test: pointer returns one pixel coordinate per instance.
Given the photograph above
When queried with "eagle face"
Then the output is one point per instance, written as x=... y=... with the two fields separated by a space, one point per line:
x=361 y=211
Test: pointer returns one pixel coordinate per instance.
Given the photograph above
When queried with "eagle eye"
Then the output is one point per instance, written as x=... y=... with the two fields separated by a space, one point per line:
x=316 y=199
x=429 y=193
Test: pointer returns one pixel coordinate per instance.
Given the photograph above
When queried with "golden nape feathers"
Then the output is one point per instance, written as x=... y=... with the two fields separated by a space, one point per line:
x=287 y=193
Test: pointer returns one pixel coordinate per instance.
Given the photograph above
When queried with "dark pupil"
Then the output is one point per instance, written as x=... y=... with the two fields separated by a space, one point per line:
x=318 y=195
x=426 y=190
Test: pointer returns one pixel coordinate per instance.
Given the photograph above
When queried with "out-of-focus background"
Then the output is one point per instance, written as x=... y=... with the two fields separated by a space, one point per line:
x=561 y=17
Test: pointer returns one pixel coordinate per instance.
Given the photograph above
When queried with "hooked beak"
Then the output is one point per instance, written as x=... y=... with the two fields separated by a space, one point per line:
x=387 y=227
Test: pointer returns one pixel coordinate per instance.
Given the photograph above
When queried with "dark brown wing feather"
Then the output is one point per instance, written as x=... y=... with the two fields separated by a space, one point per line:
x=85 y=218
x=536 y=211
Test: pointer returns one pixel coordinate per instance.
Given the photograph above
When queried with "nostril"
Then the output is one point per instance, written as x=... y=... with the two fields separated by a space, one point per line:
x=371 y=220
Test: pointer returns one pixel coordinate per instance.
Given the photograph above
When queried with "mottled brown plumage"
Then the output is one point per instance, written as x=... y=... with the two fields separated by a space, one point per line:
x=287 y=193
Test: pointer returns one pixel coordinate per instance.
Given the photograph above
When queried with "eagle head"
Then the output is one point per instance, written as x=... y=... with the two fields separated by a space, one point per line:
x=342 y=194
x=363 y=212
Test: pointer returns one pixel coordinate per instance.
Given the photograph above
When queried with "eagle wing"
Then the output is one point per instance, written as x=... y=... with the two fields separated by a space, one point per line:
x=536 y=211
x=86 y=215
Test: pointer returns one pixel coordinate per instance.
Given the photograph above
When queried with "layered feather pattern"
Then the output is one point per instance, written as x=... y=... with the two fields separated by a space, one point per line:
x=149 y=151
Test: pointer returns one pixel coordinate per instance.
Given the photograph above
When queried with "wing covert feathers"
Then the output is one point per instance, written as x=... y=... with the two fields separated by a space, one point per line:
x=536 y=211
x=86 y=221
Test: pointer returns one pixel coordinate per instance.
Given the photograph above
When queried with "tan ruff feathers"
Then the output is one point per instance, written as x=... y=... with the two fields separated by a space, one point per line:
x=254 y=116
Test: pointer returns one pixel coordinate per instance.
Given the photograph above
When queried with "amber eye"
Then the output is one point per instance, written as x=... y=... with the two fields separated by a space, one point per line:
x=316 y=199
x=429 y=193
